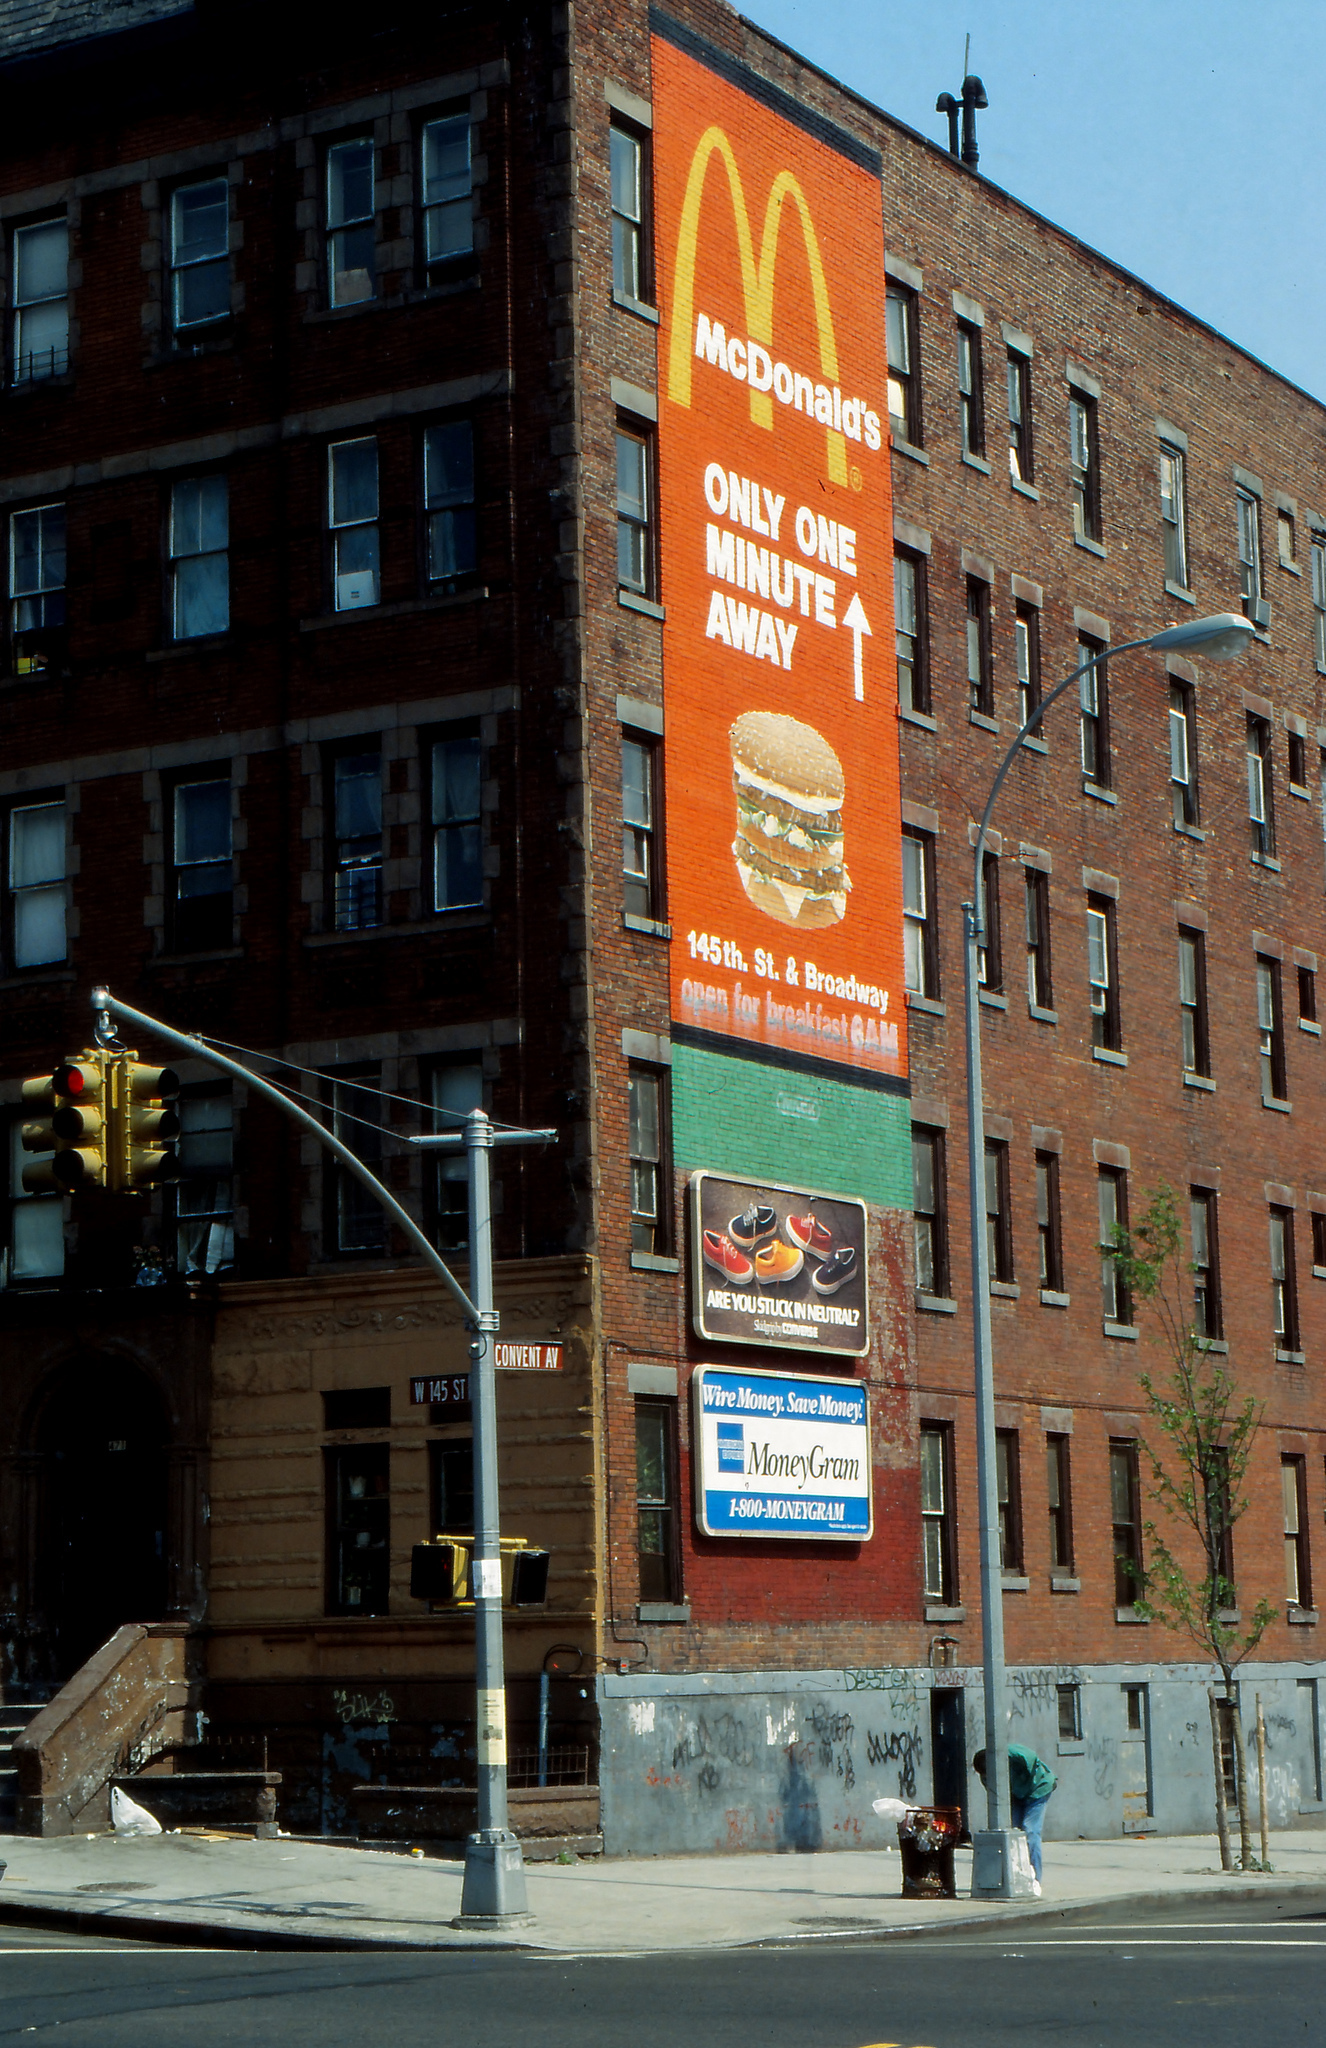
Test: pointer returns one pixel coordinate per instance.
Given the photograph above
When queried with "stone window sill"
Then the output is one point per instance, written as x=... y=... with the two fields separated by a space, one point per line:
x=206 y=643
x=991 y=1000
x=654 y=1262
x=1202 y=1082
x=1070 y=1749
x=1318 y=1272
x=631 y=602
x=1267 y=861
x=652 y=927
x=921 y=718
x=1297 y=789
x=636 y=306
x=1126 y=1331
x=365 y=612
x=1191 y=832
x=1216 y=1344
x=1277 y=1102
x=981 y=718
x=1306 y=1024
x=1290 y=1357
x=1034 y=744
x=1015 y=483
x=913 y=454
x=1092 y=547
x=1101 y=794
x=935 y=1612
x=1302 y=1617
x=1014 y=1582
x=1042 y=1016
x=195 y=959
x=927 y=1004
x=1177 y=590
x=977 y=462
x=1128 y=1617
x=1005 y=1290
x=44 y=977
x=1051 y=1298
x=932 y=1304
x=1106 y=1056
x=663 y=1610
x=445 y=921
x=1061 y=1582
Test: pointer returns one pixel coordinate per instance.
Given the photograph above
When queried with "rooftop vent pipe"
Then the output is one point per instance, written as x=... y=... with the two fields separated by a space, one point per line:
x=973 y=96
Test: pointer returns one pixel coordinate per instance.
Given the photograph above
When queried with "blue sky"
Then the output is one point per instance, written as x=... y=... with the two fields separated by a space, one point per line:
x=1183 y=138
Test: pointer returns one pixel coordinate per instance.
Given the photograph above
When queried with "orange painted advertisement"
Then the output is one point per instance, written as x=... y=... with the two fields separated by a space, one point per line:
x=784 y=861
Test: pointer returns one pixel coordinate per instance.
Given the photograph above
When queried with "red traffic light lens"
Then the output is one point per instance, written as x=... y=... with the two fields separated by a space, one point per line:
x=69 y=1080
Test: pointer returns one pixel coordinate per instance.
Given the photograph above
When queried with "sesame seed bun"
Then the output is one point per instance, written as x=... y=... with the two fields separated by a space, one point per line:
x=789 y=760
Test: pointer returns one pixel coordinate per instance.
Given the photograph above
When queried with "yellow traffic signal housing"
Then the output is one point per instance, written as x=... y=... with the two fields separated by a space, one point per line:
x=144 y=1124
x=440 y=1572
x=72 y=1128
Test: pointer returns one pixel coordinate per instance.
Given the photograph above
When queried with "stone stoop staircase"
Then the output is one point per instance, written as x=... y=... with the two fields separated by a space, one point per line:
x=14 y=1718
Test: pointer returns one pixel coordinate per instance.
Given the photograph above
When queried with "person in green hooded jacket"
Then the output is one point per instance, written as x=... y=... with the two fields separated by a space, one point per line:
x=1030 y=1783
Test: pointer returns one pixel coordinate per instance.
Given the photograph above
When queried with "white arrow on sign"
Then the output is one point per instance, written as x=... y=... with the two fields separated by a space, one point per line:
x=857 y=624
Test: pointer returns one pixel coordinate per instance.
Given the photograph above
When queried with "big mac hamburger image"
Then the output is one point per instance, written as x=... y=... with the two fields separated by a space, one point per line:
x=789 y=843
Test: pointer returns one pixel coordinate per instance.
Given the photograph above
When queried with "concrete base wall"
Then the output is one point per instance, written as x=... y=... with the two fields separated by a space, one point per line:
x=791 y=1760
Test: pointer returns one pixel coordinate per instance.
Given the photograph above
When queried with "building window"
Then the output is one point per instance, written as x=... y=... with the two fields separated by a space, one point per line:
x=453 y=537
x=642 y=870
x=629 y=152
x=998 y=1212
x=1008 y=1482
x=1192 y=1002
x=1284 y=1280
x=656 y=1499
x=1318 y=1222
x=1048 y=1223
x=40 y=272
x=204 y=1197
x=199 y=557
x=911 y=622
x=35 y=885
x=938 y=1549
x=930 y=1213
x=1271 y=1030
x=451 y=1485
x=1286 y=537
x=1183 y=752
x=199 y=257
x=356 y=848
x=1084 y=458
x=445 y=198
x=635 y=549
x=980 y=654
x=36 y=586
x=920 y=938
x=1027 y=641
x=1059 y=1495
x=990 y=953
x=1250 y=553
x=1307 y=995
x=358 y=1529
x=1208 y=1313
x=202 y=872
x=1040 y=991
x=457 y=796
x=455 y=1088
x=1020 y=463
x=351 y=230
x=352 y=515
x=1103 y=972
x=902 y=325
x=1297 y=747
x=1261 y=785
x=355 y=1222
x=1112 y=1203
x=650 y=1158
x=1070 y=1712
x=35 y=1247
x=1126 y=1517
x=971 y=389
x=1318 y=552
x=1094 y=695
x=1294 y=1494
x=1174 y=515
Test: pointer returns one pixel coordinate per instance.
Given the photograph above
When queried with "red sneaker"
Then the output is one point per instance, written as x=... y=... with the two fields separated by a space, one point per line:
x=723 y=1256
x=810 y=1234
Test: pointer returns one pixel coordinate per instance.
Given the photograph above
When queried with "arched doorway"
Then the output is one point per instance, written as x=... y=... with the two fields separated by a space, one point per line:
x=102 y=1558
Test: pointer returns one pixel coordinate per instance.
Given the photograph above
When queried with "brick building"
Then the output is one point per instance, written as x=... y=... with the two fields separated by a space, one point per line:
x=360 y=672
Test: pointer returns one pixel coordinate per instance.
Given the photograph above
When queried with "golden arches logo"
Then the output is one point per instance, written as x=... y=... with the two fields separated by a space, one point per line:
x=757 y=281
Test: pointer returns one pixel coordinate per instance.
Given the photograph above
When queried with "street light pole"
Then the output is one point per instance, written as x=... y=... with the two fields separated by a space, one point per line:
x=1220 y=638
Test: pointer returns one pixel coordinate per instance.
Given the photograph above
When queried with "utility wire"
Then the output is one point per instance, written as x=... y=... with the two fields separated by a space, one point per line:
x=456 y=1116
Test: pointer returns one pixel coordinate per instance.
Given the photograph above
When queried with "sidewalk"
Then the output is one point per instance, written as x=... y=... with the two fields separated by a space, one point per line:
x=295 y=1894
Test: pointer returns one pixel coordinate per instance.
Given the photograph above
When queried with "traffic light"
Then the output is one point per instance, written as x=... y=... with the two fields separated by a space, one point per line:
x=72 y=1127
x=144 y=1124
x=440 y=1572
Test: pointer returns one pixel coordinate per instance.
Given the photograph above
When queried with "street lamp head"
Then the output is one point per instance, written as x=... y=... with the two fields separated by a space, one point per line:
x=1222 y=637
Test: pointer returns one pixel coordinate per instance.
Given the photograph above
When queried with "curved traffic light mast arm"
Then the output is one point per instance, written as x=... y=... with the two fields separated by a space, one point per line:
x=107 y=1006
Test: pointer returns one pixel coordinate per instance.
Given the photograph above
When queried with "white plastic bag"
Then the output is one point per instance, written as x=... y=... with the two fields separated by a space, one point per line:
x=891 y=1809
x=129 y=1818
x=1025 y=1883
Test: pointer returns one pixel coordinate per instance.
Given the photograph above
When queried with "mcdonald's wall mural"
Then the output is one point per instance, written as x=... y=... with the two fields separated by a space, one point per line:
x=784 y=874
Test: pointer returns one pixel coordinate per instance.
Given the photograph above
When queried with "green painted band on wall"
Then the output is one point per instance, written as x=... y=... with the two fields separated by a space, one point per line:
x=757 y=1122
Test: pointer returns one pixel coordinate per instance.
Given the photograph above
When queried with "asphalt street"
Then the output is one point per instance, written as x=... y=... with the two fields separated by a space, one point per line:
x=1185 y=1977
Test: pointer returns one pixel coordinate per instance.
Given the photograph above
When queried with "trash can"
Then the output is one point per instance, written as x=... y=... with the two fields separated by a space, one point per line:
x=926 y=1839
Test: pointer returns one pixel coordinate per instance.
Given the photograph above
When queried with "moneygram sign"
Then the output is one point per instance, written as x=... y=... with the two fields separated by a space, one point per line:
x=784 y=879
x=780 y=1456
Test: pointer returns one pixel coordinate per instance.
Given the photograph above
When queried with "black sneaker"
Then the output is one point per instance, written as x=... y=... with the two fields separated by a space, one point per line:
x=754 y=1226
x=836 y=1271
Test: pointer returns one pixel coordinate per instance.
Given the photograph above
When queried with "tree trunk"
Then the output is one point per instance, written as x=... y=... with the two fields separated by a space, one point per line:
x=1222 y=1812
x=1241 y=1780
